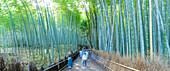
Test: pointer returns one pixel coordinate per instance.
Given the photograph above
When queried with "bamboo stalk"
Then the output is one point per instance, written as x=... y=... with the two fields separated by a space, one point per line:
x=141 y=30
x=150 y=25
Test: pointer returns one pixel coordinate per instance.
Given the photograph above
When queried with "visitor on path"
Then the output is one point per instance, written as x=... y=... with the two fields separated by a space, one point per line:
x=84 y=47
x=70 y=53
x=81 y=53
x=84 y=58
x=70 y=60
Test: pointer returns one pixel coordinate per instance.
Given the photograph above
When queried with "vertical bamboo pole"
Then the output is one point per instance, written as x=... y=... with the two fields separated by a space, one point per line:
x=135 y=29
x=121 y=28
x=150 y=30
x=117 y=28
x=2 y=38
x=141 y=30
x=168 y=17
x=159 y=30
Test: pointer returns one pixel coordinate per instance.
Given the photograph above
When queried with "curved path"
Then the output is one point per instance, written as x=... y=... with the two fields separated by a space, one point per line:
x=91 y=66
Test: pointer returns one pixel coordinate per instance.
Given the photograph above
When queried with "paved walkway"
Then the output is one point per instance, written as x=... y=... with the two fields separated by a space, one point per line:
x=91 y=66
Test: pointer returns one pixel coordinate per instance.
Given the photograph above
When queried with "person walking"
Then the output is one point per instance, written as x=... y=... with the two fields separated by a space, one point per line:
x=70 y=60
x=81 y=53
x=84 y=59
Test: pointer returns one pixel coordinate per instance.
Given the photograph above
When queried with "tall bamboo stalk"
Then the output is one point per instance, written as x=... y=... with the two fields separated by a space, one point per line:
x=117 y=29
x=150 y=29
x=141 y=30
x=121 y=28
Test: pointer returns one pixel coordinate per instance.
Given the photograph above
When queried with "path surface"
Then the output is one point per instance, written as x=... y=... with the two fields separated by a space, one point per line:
x=91 y=66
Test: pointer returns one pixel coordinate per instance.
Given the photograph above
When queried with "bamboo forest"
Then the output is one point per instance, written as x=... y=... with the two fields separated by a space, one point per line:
x=118 y=35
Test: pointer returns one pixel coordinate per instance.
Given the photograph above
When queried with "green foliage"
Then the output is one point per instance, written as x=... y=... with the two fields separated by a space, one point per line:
x=41 y=27
x=120 y=26
x=129 y=23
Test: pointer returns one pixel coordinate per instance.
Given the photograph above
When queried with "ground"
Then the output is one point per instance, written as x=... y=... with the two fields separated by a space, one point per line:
x=91 y=66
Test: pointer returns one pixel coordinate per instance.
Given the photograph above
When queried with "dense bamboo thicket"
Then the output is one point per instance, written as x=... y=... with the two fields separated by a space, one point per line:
x=132 y=28
x=40 y=33
x=44 y=31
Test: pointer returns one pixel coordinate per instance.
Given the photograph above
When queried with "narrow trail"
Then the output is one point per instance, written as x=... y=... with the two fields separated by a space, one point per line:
x=91 y=66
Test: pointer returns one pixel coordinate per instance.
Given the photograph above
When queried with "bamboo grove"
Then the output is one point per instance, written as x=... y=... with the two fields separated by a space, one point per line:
x=45 y=33
x=132 y=28
x=127 y=27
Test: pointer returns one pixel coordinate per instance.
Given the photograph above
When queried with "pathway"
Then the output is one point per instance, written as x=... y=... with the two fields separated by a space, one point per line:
x=91 y=66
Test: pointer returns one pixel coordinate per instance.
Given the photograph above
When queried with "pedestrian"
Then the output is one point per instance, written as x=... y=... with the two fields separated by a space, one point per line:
x=81 y=53
x=84 y=59
x=70 y=53
x=84 y=47
x=70 y=61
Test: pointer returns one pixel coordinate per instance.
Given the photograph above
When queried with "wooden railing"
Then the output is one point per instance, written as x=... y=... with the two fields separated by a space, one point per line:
x=59 y=66
x=103 y=66
x=107 y=68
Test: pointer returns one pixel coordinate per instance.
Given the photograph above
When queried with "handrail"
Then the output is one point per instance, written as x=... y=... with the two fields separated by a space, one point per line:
x=130 y=68
x=55 y=64
x=124 y=66
x=103 y=64
x=66 y=65
x=51 y=66
x=63 y=68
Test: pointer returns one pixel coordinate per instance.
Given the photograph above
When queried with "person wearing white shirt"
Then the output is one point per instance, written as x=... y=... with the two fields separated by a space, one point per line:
x=84 y=58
